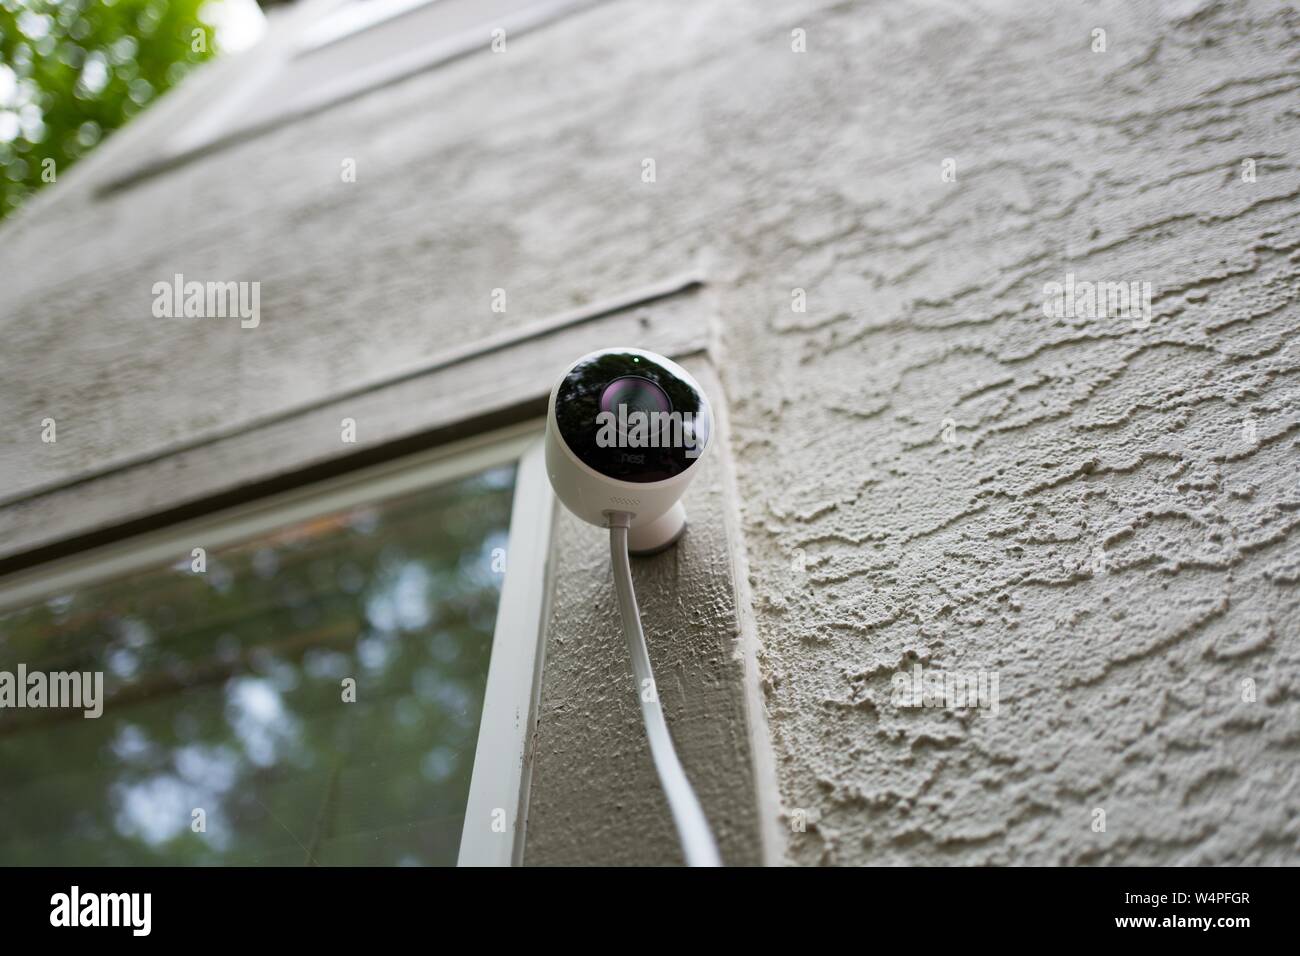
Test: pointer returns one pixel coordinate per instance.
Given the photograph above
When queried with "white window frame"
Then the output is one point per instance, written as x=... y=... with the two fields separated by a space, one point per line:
x=499 y=778
x=497 y=809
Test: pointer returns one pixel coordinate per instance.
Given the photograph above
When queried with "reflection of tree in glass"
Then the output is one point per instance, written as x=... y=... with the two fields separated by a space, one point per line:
x=224 y=693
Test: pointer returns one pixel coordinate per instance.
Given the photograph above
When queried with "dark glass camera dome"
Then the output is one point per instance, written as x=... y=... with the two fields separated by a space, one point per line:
x=631 y=418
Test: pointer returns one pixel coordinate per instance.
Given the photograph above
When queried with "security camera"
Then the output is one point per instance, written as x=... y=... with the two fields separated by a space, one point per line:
x=625 y=431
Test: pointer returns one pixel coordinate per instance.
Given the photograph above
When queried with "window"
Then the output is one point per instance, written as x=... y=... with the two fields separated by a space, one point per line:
x=342 y=675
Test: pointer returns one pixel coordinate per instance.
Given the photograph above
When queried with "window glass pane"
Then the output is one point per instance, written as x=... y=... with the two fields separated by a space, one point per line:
x=223 y=691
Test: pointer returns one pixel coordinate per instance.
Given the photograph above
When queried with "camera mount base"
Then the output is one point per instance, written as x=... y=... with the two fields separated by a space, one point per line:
x=660 y=534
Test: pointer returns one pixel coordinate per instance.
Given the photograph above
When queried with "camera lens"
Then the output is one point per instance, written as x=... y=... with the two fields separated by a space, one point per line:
x=636 y=394
x=630 y=416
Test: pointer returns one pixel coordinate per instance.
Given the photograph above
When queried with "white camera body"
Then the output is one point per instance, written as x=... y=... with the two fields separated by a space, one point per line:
x=625 y=432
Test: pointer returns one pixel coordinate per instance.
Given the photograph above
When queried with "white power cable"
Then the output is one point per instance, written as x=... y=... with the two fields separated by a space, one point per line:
x=692 y=826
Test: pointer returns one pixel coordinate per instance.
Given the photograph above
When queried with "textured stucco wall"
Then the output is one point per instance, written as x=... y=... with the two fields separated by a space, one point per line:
x=873 y=543
x=1120 y=690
